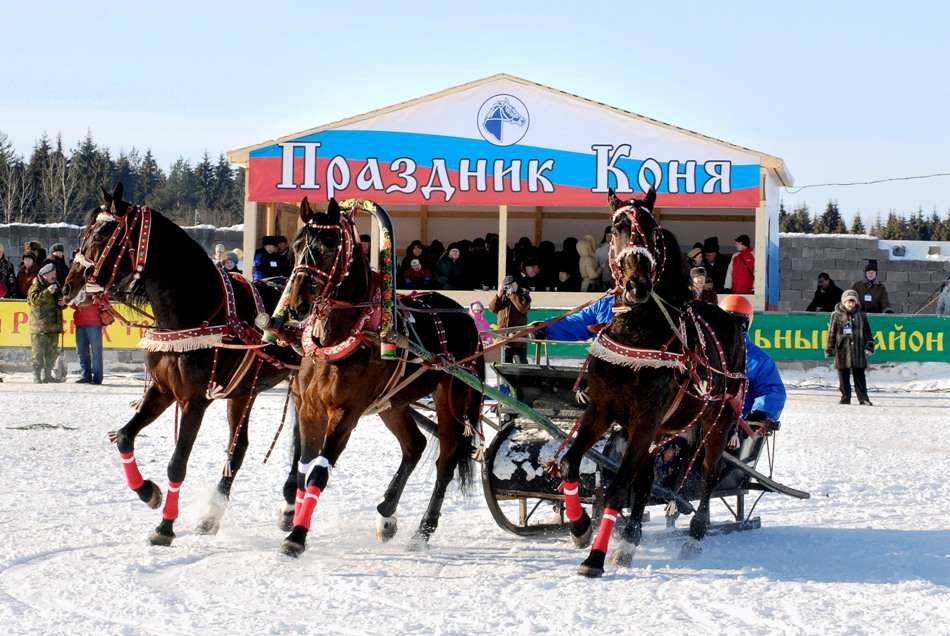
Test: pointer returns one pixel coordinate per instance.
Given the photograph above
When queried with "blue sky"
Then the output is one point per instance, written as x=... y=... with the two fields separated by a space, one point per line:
x=842 y=91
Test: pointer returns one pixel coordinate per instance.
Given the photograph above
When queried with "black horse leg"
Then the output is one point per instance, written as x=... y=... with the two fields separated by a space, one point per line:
x=210 y=523
x=285 y=516
x=164 y=534
x=151 y=406
x=632 y=533
x=699 y=524
x=412 y=443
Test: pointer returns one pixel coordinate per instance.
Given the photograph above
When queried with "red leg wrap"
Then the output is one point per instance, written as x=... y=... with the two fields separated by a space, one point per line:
x=606 y=527
x=298 y=502
x=304 y=513
x=132 y=475
x=170 y=511
x=572 y=501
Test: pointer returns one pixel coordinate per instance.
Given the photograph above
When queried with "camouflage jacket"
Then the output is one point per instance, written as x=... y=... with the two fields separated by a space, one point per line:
x=46 y=316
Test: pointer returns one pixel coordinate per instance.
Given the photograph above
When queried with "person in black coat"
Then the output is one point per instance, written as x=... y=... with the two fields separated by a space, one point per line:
x=716 y=264
x=827 y=295
x=850 y=342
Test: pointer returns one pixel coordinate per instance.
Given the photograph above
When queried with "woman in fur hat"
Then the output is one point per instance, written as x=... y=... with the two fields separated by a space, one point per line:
x=702 y=287
x=850 y=342
x=28 y=271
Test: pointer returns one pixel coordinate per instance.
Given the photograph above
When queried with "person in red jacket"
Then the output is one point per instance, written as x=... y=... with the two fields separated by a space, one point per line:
x=88 y=322
x=740 y=277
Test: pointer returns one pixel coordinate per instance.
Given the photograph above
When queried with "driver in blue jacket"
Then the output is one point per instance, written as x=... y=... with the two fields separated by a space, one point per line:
x=765 y=397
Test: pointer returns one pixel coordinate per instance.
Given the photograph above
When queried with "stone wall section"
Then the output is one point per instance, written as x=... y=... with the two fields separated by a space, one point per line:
x=910 y=283
x=15 y=235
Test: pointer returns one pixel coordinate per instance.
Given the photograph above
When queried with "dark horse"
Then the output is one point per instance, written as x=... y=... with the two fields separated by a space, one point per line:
x=200 y=348
x=664 y=364
x=343 y=375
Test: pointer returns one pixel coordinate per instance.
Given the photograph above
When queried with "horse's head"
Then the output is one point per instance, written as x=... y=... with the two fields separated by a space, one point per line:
x=638 y=249
x=327 y=250
x=99 y=262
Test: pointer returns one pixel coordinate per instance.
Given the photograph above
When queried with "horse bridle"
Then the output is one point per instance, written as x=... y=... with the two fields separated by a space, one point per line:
x=349 y=238
x=120 y=242
x=639 y=243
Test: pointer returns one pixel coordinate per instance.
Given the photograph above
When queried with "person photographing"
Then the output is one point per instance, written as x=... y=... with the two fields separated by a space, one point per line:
x=512 y=303
x=46 y=322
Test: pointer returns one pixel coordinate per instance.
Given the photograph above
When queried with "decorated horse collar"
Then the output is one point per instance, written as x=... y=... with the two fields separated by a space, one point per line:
x=369 y=321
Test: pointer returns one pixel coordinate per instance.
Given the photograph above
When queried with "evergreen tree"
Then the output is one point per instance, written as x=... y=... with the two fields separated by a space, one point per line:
x=126 y=171
x=857 y=225
x=877 y=230
x=91 y=167
x=830 y=221
x=799 y=220
x=895 y=229
x=940 y=230
x=176 y=196
x=36 y=169
x=149 y=177
x=205 y=187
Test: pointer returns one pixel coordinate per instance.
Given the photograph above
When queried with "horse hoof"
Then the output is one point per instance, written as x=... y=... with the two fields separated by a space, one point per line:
x=418 y=543
x=151 y=494
x=285 y=517
x=208 y=525
x=623 y=556
x=113 y=436
x=581 y=531
x=593 y=565
x=386 y=528
x=292 y=548
x=158 y=538
x=691 y=549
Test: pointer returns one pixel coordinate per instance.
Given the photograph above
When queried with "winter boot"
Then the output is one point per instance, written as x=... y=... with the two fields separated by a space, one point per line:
x=48 y=376
x=36 y=377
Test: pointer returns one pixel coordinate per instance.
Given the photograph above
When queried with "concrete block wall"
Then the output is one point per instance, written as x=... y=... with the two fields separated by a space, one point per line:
x=909 y=283
x=15 y=235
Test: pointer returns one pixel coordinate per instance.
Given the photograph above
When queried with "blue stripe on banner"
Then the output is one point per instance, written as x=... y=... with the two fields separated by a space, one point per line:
x=571 y=168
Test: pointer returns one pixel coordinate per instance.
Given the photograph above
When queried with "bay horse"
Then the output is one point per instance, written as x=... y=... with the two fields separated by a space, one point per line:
x=666 y=363
x=333 y=293
x=201 y=346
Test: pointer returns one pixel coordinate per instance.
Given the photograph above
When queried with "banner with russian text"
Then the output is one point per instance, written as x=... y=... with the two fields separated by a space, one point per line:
x=504 y=142
x=15 y=327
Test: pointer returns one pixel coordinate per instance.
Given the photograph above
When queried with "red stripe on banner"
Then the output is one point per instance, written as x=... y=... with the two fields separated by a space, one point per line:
x=264 y=175
x=170 y=511
x=606 y=528
x=303 y=515
x=132 y=475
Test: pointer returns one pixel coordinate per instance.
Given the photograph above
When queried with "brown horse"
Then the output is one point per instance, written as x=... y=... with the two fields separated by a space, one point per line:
x=343 y=375
x=200 y=348
x=664 y=364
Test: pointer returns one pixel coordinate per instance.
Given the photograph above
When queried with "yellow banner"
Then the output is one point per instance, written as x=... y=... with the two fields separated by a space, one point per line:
x=15 y=327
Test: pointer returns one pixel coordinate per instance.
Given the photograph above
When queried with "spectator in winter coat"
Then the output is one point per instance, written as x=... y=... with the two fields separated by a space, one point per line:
x=266 y=261
x=740 y=277
x=88 y=322
x=943 y=301
x=56 y=257
x=450 y=272
x=827 y=295
x=587 y=261
x=229 y=262
x=694 y=257
x=46 y=322
x=8 y=282
x=477 y=311
x=716 y=264
x=27 y=273
x=219 y=253
x=872 y=295
x=701 y=286
x=603 y=259
x=850 y=342
x=417 y=277
x=512 y=303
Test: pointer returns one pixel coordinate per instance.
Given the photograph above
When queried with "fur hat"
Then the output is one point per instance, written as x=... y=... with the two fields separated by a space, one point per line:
x=871 y=267
x=269 y=240
x=219 y=247
x=697 y=271
x=508 y=280
x=711 y=244
x=29 y=254
x=696 y=251
x=46 y=269
x=744 y=240
x=850 y=295
x=415 y=262
x=239 y=252
x=57 y=247
x=33 y=246
x=231 y=256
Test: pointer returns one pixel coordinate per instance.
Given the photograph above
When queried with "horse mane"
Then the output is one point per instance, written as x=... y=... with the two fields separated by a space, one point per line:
x=673 y=284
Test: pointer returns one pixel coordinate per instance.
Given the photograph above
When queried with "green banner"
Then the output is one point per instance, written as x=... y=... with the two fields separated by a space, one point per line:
x=801 y=336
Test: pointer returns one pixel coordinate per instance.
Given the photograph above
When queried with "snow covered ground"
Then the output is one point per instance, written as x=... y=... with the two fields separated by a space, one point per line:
x=869 y=553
